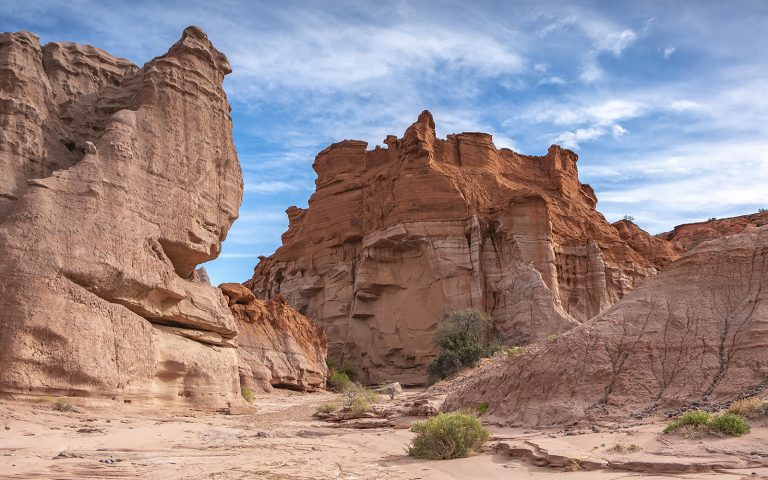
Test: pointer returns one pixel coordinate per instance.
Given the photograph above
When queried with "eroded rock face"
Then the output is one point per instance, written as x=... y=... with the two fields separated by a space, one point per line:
x=277 y=346
x=117 y=182
x=688 y=235
x=697 y=332
x=658 y=251
x=396 y=238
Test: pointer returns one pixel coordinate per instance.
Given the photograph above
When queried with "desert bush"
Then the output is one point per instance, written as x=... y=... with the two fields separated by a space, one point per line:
x=464 y=338
x=327 y=407
x=629 y=218
x=247 y=394
x=361 y=405
x=354 y=392
x=621 y=448
x=446 y=436
x=730 y=424
x=513 y=351
x=337 y=381
x=61 y=405
x=752 y=407
x=696 y=418
x=346 y=367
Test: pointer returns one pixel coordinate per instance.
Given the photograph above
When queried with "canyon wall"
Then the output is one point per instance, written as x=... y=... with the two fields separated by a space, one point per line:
x=117 y=182
x=396 y=238
x=695 y=336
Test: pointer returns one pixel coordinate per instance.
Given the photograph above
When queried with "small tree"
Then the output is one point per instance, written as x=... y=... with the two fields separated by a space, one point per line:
x=629 y=218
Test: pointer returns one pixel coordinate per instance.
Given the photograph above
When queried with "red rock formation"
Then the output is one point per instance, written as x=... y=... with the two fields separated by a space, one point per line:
x=117 y=181
x=396 y=238
x=277 y=346
x=697 y=332
x=688 y=235
x=658 y=251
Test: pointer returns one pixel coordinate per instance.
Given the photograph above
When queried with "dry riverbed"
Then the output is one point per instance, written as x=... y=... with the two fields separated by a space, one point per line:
x=280 y=440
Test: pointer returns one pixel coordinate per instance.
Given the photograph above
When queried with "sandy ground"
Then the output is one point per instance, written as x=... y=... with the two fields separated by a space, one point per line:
x=281 y=440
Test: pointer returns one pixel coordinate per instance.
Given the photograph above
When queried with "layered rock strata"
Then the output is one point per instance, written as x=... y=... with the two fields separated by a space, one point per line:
x=696 y=335
x=277 y=346
x=688 y=235
x=396 y=238
x=117 y=182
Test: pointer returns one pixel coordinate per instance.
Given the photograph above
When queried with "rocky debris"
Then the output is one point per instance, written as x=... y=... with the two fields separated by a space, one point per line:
x=277 y=346
x=391 y=389
x=693 y=335
x=395 y=239
x=689 y=235
x=117 y=182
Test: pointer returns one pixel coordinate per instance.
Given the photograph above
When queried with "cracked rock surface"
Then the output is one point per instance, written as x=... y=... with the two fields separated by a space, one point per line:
x=695 y=336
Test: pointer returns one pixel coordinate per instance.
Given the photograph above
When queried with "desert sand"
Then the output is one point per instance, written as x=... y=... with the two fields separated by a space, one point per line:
x=281 y=440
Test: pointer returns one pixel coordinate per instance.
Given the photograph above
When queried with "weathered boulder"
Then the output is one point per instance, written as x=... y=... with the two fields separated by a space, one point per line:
x=696 y=334
x=117 y=182
x=277 y=346
x=396 y=238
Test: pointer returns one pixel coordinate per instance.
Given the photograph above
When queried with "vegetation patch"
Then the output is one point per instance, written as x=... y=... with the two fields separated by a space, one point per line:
x=61 y=405
x=464 y=338
x=752 y=407
x=447 y=436
x=328 y=407
x=337 y=381
x=247 y=394
x=699 y=422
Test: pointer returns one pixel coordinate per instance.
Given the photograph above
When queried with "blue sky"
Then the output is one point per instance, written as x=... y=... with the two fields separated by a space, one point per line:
x=665 y=102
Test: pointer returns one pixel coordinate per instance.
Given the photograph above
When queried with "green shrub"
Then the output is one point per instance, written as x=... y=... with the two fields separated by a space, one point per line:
x=513 y=351
x=752 y=407
x=354 y=391
x=327 y=407
x=361 y=405
x=61 y=405
x=697 y=418
x=464 y=338
x=247 y=394
x=337 y=381
x=729 y=423
x=346 y=367
x=446 y=436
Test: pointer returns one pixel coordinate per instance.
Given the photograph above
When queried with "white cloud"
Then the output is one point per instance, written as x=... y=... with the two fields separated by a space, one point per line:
x=541 y=67
x=573 y=139
x=616 y=42
x=551 y=81
x=668 y=51
x=275 y=186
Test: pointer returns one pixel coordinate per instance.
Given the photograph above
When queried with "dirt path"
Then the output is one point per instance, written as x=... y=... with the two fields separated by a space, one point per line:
x=281 y=441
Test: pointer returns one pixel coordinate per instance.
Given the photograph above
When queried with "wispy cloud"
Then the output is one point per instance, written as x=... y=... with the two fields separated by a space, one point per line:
x=670 y=121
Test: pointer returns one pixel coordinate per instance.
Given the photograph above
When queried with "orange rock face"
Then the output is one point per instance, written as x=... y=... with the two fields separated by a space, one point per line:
x=117 y=181
x=277 y=346
x=695 y=334
x=658 y=251
x=396 y=238
x=688 y=235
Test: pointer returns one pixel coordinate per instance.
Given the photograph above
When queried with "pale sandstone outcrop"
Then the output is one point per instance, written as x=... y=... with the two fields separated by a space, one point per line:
x=696 y=334
x=117 y=182
x=396 y=238
x=277 y=346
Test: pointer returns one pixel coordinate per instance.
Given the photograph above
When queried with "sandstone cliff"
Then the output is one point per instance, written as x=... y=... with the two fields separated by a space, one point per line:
x=277 y=346
x=117 y=182
x=695 y=334
x=688 y=235
x=395 y=238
